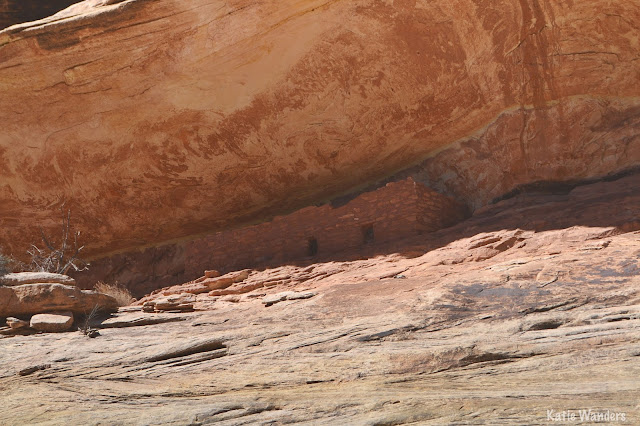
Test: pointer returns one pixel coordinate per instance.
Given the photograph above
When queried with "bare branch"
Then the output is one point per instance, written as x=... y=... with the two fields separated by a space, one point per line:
x=65 y=232
x=46 y=241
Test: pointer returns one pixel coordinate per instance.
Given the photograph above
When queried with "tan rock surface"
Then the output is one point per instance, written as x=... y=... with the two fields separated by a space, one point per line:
x=52 y=322
x=20 y=278
x=203 y=285
x=211 y=274
x=531 y=305
x=32 y=299
x=8 y=331
x=266 y=107
x=272 y=299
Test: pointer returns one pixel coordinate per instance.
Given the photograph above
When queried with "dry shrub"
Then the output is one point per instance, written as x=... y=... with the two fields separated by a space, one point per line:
x=117 y=291
x=62 y=257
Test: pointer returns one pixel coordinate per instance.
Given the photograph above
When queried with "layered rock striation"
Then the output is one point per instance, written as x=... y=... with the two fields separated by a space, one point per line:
x=160 y=120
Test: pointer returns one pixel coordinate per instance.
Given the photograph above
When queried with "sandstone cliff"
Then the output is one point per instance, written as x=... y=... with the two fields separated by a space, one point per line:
x=159 y=120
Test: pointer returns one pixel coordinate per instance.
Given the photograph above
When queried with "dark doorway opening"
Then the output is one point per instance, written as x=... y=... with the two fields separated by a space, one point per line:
x=367 y=234
x=312 y=246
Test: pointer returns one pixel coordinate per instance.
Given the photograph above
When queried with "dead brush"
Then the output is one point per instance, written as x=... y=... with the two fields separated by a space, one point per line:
x=85 y=325
x=120 y=293
x=62 y=257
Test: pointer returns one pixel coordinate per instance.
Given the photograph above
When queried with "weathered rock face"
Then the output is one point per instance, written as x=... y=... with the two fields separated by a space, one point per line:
x=180 y=302
x=20 y=278
x=575 y=139
x=32 y=299
x=158 y=120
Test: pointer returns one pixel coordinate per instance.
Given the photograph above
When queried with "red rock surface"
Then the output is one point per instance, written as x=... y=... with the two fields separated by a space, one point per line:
x=160 y=120
x=167 y=121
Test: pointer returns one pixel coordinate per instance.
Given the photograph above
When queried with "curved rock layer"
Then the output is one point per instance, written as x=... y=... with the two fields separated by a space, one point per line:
x=159 y=120
x=572 y=140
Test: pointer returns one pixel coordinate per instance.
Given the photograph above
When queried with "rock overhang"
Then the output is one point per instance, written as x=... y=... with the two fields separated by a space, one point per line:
x=214 y=114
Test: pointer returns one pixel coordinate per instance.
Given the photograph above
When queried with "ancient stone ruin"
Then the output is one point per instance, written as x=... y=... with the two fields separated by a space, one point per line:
x=392 y=212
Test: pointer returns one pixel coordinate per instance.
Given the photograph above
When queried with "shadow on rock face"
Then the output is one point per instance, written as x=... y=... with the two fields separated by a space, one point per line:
x=602 y=204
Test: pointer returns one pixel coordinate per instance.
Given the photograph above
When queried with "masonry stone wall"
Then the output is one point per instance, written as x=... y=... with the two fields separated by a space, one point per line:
x=436 y=211
x=397 y=210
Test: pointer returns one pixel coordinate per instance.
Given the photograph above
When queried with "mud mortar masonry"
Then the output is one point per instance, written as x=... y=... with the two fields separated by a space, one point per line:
x=397 y=210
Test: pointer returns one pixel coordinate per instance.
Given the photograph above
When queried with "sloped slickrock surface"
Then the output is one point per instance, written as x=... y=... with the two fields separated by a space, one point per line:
x=213 y=113
x=133 y=320
x=31 y=299
x=496 y=326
